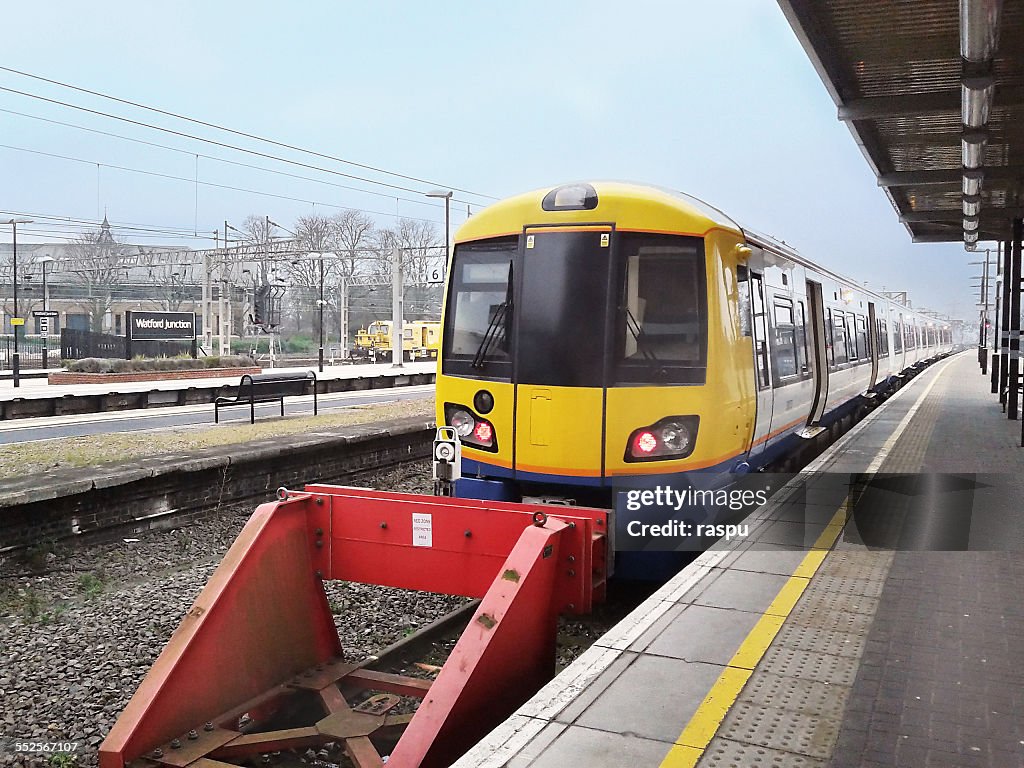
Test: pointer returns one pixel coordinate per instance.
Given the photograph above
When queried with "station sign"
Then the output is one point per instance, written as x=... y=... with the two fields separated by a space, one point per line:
x=45 y=313
x=162 y=326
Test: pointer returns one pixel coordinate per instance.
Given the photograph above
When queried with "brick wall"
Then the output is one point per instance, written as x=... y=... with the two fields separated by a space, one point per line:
x=106 y=378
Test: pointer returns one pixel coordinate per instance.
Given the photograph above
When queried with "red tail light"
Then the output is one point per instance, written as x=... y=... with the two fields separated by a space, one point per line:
x=646 y=442
x=483 y=432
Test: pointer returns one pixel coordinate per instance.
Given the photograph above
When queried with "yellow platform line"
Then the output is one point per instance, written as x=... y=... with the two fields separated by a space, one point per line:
x=705 y=722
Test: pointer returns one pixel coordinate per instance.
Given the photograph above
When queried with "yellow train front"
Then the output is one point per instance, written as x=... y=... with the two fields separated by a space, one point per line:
x=578 y=326
x=606 y=336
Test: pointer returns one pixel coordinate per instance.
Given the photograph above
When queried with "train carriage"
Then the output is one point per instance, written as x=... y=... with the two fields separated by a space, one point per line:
x=599 y=333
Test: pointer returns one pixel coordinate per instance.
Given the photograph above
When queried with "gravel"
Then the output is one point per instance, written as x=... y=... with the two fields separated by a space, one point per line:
x=80 y=627
x=79 y=632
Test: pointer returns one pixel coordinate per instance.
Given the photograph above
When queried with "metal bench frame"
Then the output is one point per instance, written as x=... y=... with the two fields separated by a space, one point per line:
x=266 y=388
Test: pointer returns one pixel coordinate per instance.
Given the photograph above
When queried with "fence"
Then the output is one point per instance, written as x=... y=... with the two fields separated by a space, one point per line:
x=30 y=353
x=76 y=344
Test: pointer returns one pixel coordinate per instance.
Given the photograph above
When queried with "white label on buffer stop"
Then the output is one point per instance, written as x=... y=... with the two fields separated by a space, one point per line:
x=422 y=530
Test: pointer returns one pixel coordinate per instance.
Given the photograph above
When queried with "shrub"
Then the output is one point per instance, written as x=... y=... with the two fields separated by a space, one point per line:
x=85 y=365
x=106 y=365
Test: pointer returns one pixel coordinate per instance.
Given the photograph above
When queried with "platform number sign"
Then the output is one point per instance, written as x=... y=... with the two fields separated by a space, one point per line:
x=436 y=275
x=44 y=326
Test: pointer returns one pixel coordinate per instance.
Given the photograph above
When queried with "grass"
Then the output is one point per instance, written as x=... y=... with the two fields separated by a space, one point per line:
x=18 y=460
x=91 y=585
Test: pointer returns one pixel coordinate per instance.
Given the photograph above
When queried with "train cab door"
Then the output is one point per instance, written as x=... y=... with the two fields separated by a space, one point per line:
x=873 y=344
x=559 y=376
x=762 y=365
x=819 y=362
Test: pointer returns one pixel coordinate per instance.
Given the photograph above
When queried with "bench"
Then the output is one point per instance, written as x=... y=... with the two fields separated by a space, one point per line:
x=267 y=388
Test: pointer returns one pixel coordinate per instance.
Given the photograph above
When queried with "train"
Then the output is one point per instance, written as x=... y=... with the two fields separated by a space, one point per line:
x=600 y=334
x=421 y=340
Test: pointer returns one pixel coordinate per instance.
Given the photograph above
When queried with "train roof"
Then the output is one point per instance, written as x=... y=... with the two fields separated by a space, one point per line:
x=664 y=210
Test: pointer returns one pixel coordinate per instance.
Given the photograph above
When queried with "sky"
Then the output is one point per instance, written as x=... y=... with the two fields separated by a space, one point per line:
x=718 y=100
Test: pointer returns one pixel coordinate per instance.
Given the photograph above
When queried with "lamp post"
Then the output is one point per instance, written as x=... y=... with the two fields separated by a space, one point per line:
x=43 y=261
x=447 y=196
x=16 y=359
x=320 y=305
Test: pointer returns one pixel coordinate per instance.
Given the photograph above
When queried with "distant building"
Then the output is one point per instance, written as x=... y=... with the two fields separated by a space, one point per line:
x=91 y=283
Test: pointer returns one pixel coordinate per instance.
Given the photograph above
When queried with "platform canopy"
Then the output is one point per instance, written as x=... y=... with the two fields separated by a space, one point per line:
x=933 y=92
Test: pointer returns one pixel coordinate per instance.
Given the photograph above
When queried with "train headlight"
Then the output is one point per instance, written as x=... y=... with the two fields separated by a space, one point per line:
x=462 y=421
x=474 y=431
x=673 y=437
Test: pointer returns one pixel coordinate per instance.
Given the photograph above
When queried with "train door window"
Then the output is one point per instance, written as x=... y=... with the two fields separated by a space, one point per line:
x=862 y=336
x=883 y=337
x=829 y=346
x=839 y=354
x=743 y=293
x=801 y=338
x=852 y=353
x=760 y=329
x=897 y=335
x=784 y=339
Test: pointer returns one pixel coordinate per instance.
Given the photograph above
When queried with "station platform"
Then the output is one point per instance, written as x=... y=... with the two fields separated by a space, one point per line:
x=38 y=398
x=859 y=623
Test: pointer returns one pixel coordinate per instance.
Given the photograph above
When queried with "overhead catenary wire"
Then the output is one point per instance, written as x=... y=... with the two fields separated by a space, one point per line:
x=236 y=132
x=233 y=147
x=224 y=160
x=209 y=183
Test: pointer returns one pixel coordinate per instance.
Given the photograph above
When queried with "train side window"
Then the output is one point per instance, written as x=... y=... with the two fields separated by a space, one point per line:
x=801 y=337
x=862 y=336
x=760 y=329
x=897 y=337
x=784 y=347
x=839 y=355
x=883 y=337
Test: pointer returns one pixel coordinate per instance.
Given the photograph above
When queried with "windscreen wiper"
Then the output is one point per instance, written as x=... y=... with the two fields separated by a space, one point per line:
x=644 y=346
x=504 y=310
x=480 y=358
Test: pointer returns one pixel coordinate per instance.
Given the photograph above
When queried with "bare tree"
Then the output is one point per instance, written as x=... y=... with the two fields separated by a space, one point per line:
x=315 y=234
x=93 y=261
x=353 y=232
x=422 y=249
x=171 y=287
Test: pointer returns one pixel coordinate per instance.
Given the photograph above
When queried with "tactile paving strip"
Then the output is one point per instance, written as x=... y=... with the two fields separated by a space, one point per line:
x=832 y=621
x=806 y=638
x=847 y=585
x=781 y=729
x=857 y=565
x=823 y=600
x=732 y=754
x=805 y=696
x=808 y=665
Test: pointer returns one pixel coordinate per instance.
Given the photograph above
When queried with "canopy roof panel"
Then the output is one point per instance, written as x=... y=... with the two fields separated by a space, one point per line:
x=933 y=92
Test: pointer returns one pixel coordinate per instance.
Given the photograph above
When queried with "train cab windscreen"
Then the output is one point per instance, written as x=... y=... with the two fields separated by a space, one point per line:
x=574 y=311
x=479 y=315
x=662 y=323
